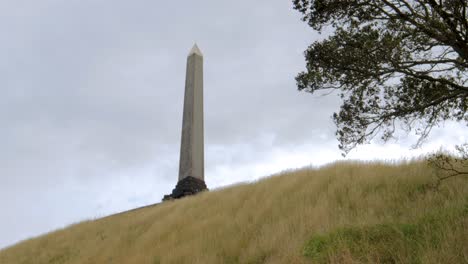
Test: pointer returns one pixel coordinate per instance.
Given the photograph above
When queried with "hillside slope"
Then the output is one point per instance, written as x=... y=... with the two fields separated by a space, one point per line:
x=341 y=213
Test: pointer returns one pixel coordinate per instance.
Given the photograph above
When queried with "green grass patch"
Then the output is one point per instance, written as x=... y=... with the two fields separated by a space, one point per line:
x=386 y=243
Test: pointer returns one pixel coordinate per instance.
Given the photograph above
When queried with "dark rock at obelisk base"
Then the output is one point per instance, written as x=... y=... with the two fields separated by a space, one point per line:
x=185 y=187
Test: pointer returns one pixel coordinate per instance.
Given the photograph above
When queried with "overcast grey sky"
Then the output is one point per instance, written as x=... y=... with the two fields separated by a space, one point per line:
x=92 y=94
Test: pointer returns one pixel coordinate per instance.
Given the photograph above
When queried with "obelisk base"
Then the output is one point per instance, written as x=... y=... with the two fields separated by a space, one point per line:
x=186 y=187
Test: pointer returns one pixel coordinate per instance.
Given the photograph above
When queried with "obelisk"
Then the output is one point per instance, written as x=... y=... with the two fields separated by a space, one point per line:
x=192 y=160
x=191 y=164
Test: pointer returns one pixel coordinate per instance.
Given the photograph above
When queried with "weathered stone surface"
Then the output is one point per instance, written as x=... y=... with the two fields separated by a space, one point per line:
x=191 y=164
x=167 y=197
x=192 y=143
x=186 y=187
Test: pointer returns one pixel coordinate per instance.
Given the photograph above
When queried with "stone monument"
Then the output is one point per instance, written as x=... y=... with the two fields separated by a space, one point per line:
x=191 y=163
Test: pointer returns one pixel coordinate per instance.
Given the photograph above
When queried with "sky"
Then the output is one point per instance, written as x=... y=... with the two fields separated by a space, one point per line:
x=91 y=97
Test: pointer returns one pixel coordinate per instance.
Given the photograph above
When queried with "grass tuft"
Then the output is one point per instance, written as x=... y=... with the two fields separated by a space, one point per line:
x=387 y=243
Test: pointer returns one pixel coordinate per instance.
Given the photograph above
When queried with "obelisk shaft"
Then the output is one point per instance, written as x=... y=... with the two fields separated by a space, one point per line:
x=191 y=148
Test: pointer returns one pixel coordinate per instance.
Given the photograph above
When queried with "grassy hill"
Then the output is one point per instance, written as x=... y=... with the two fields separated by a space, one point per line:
x=341 y=213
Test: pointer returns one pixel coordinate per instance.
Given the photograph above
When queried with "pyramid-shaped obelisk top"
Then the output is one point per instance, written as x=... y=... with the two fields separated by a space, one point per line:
x=195 y=50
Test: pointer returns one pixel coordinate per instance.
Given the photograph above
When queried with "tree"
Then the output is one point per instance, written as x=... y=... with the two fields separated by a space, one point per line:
x=395 y=63
x=450 y=165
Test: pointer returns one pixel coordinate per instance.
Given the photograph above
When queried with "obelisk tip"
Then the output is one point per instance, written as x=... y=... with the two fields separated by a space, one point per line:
x=195 y=50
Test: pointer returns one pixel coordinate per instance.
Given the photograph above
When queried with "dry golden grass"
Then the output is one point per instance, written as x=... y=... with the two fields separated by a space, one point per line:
x=271 y=221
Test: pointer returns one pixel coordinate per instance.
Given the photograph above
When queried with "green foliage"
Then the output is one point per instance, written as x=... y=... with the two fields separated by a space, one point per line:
x=386 y=243
x=156 y=260
x=394 y=62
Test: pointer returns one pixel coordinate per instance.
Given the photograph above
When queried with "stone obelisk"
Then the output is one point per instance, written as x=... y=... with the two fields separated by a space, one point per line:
x=191 y=163
x=191 y=148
